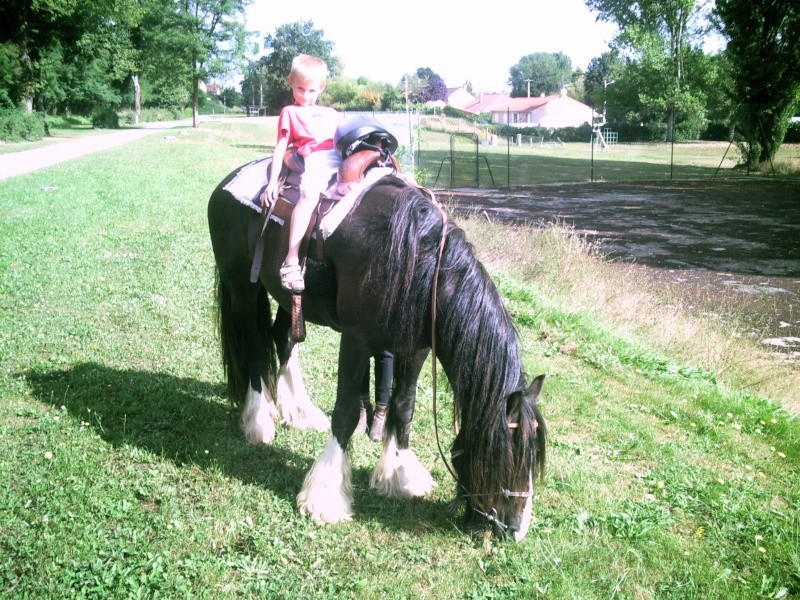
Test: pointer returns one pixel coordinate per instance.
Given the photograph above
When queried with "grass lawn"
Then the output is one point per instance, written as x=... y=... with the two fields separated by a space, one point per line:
x=124 y=473
x=532 y=164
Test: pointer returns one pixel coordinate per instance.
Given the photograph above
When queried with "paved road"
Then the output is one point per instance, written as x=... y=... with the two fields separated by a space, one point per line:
x=27 y=161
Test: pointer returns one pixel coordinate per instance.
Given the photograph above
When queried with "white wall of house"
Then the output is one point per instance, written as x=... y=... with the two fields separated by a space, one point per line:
x=460 y=97
x=562 y=112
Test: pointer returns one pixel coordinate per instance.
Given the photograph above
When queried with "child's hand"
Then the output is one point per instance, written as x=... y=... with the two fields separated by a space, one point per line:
x=263 y=200
x=270 y=193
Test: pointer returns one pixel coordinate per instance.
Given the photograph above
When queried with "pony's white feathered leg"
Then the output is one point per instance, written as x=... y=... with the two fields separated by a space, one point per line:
x=258 y=417
x=327 y=492
x=399 y=473
x=294 y=405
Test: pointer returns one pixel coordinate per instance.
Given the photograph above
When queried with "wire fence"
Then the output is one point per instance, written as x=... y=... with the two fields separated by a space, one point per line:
x=467 y=160
x=448 y=152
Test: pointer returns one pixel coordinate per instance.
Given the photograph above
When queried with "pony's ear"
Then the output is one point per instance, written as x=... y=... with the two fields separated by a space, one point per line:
x=517 y=400
x=535 y=387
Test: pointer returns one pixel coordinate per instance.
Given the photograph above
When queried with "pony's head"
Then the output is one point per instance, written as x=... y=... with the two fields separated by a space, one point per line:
x=496 y=466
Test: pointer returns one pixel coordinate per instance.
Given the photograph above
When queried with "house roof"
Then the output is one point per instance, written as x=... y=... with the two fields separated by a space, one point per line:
x=482 y=103
x=502 y=102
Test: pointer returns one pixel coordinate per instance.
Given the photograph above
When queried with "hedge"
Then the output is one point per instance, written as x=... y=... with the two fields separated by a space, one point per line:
x=17 y=125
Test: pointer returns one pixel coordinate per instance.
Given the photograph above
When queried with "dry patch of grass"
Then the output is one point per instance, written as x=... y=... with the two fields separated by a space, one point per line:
x=567 y=269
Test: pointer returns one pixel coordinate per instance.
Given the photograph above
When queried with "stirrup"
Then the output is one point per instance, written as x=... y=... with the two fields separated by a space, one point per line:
x=292 y=278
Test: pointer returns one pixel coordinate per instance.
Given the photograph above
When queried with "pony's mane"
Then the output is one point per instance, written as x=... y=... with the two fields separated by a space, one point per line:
x=476 y=341
x=479 y=350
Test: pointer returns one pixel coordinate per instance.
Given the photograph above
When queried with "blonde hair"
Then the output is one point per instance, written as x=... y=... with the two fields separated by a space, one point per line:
x=307 y=68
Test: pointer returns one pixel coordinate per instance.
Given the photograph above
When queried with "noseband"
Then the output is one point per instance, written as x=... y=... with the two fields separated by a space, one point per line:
x=492 y=517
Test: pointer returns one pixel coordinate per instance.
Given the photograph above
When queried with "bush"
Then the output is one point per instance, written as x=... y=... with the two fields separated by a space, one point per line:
x=792 y=133
x=152 y=115
x=17 y=124
x=105 y=118
x=565 y=134
x=716 y=132
x=642 y=132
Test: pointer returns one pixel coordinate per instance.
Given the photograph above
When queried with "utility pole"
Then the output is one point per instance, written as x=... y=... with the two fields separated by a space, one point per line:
x=606 y=83
x=528 y=81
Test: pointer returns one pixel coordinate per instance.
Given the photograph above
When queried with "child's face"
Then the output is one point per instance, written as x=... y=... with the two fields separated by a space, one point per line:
x=306 y=92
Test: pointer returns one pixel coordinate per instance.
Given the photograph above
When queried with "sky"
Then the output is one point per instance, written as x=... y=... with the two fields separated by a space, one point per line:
x=385 y=41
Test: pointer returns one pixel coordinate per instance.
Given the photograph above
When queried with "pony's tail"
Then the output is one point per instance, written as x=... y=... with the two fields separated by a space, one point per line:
x=237 y=346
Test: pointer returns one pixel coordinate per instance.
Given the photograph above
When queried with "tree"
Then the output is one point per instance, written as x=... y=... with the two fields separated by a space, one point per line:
x=764 y=53
x=10 y=72
x=421 y=87
x=230 y=97
x=212 y=37
x=658 y=35
x=68 y=54
x=602 y=73
x=360 y=94
x=540 y=73
x=427 y=86
x=288 y=41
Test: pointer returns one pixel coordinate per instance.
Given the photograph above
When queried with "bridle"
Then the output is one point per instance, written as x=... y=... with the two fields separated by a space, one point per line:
x=465 y=493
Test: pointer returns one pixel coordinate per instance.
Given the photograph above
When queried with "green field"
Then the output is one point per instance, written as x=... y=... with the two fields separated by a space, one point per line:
x=530 y=164
x=674 y=470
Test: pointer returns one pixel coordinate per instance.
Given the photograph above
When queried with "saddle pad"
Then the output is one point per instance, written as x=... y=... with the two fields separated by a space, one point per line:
x=249 y=182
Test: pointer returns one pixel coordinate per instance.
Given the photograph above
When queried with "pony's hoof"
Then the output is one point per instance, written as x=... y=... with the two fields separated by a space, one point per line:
x=309 y=417
x=259 y=434
x=322 y=511
x=327 y=493
x=315 y=418
x=258 y=419
x=399 y=474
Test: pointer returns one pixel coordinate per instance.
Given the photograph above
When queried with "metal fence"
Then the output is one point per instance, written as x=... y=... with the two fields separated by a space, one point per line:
x=447 y=152
x=467 y=160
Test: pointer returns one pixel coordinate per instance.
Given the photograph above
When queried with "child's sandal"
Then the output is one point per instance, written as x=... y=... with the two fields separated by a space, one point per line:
x=292 y=278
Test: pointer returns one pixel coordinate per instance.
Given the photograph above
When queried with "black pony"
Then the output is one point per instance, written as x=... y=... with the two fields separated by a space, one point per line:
x=375 y=286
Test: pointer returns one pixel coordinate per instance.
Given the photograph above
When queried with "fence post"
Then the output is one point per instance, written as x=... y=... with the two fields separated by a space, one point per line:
x=508 y=148
x=672 y=142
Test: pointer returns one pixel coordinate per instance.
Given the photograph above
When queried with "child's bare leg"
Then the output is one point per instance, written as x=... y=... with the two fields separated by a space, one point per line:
x=291 y=274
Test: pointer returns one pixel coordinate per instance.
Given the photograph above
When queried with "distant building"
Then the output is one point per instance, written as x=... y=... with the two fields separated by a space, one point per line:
x=458 y=97
x=212 y=89
x=554 y=111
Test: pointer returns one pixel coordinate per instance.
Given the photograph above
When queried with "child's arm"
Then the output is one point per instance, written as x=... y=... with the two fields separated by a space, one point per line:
x=277 y=164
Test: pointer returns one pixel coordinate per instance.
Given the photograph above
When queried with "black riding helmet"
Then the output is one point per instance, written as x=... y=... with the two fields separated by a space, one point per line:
x=363 y=133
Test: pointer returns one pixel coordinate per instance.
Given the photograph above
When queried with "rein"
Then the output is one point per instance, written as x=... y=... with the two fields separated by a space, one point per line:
x=434 y=302
x=491 y=517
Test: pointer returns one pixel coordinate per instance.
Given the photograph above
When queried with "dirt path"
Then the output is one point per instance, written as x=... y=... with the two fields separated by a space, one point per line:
x=738 y=241
x=27 y=161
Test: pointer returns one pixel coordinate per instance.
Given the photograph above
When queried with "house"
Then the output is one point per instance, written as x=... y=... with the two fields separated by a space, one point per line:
x=554 y=111
x=212 y=89
x=458 y=97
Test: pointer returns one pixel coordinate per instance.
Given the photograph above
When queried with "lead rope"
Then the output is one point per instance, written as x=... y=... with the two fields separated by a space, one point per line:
x=434 y=297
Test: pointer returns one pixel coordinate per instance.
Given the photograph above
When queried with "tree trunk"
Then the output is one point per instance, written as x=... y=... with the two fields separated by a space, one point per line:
x=27 y=72
x=137 y=98
x=195 y=103
x=195 y=92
